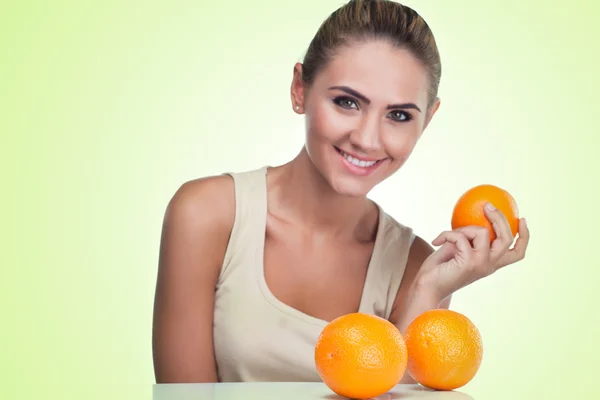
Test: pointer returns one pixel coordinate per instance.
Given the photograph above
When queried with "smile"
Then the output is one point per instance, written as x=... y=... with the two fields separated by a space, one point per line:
x=356 y=161
x=357 y=165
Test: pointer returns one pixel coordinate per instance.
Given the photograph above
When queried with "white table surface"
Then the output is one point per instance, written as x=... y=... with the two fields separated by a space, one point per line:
x=287 y=391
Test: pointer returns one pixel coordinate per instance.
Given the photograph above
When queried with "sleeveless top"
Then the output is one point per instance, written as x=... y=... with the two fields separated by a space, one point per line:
x=259 y=338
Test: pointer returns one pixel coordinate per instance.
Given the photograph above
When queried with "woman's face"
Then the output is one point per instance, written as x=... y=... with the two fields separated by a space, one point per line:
x=365 y=112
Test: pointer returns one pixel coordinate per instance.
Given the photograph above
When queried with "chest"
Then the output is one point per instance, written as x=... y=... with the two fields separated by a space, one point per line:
x=317 y=275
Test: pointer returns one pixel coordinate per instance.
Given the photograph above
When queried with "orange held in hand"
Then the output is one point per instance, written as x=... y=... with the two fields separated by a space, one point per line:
x=444 y=349
x=360 y=356
x=469 y=208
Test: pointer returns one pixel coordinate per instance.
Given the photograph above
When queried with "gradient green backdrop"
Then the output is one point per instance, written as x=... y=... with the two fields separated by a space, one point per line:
x=107 y=107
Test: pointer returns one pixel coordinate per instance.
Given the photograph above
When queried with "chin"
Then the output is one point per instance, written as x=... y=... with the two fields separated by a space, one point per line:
x=350 y=187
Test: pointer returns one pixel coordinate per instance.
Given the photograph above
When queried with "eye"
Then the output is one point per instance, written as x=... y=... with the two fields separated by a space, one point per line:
x=345 y=102
x=400 y=116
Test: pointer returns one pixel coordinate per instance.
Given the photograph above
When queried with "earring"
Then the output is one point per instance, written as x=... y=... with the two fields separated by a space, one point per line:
x=297 y=107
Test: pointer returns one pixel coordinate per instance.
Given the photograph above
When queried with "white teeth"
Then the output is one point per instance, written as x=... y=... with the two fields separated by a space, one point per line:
x=357 y=162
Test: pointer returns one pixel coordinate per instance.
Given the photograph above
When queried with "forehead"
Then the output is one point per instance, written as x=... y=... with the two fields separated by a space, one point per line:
x=378 y=70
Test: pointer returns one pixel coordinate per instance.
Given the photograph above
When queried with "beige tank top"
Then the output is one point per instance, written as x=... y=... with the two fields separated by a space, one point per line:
x=256 y=336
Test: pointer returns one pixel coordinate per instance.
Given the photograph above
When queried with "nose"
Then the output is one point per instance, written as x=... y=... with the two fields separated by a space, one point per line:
x=367 y=136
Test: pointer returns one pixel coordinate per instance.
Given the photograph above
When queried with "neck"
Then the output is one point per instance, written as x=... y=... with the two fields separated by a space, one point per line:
x=301 y=195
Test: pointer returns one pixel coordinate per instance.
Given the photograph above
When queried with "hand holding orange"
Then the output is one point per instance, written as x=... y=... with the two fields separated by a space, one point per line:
x=469 y=209
x=479 y=243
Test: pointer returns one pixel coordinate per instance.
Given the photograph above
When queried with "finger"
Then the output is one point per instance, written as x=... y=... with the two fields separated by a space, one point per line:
x=444 y=253
x=438 y=241
x=458 y=249
x=517 y=253
x=479 y=236
x=457 y=238
x=523 y=240
x=504 y=237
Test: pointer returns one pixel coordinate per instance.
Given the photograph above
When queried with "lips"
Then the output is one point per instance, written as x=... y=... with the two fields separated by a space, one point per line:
x=359 y=162
x=359 y=166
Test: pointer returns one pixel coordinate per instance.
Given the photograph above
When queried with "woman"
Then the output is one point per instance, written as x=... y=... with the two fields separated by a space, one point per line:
x=254 y=264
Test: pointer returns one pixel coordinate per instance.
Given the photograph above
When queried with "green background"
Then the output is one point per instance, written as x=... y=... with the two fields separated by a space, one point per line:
x=107 y=107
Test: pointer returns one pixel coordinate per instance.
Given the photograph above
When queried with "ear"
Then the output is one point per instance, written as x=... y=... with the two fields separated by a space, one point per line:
x=431 y=112
x=297 y=91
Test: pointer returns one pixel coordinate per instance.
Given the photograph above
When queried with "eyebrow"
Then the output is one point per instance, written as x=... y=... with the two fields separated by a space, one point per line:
x=366 y=100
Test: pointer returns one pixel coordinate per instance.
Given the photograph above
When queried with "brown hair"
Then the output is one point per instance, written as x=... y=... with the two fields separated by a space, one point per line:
x=361 y=20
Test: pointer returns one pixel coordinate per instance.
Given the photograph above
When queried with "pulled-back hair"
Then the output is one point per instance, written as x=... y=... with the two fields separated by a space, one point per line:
x=361 y=20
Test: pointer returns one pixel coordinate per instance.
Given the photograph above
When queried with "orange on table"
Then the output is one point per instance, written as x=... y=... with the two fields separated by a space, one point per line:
x=468 y=210
x=360 y=356
x=445 y=349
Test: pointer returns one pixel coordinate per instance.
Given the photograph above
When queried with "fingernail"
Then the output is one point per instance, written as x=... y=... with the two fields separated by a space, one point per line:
x=489 y=207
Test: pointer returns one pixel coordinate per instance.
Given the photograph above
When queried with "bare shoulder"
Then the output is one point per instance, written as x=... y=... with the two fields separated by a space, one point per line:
x=197 y=224
x=204 y=200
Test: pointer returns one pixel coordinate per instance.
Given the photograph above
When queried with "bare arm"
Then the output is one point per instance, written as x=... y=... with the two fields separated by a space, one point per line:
x=412 y=299
x=195 y=233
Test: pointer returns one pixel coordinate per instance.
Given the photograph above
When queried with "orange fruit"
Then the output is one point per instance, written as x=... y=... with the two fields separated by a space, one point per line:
x=444 y=349
x=468 y=210
x=360 y=356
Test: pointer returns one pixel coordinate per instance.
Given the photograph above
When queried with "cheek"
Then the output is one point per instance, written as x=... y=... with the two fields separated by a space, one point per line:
x=400 y=143
x=324 y=123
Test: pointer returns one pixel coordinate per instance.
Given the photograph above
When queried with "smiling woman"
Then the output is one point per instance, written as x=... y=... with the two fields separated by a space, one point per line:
x=366 y=104
x=254 y=264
